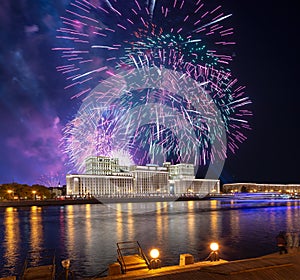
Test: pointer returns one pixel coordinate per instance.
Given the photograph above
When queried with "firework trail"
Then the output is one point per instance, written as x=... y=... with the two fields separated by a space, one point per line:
x=50 y=180
x=154 y=81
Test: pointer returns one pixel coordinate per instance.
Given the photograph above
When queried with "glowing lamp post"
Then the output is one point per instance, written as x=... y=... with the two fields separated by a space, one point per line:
x=34 y=193
x=155 y=262
x=67 y=271
x=9 y=193
x=214 y=246
x=214 y=254
x=154 y=253
x=66 y=263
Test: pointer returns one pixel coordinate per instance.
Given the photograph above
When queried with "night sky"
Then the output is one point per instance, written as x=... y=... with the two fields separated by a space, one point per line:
x=35 y=107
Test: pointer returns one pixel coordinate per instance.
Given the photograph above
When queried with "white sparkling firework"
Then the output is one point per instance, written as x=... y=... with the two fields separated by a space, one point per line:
x=155 y=81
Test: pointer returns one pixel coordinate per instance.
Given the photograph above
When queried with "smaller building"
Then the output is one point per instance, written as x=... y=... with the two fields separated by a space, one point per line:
x=57 y=191
x=254 y=187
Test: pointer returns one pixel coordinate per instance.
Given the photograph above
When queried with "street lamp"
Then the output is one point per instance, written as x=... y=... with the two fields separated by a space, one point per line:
x=214 y=254
x=34 y=193
x=67 y=271
x=155 y=262
x=9 y=193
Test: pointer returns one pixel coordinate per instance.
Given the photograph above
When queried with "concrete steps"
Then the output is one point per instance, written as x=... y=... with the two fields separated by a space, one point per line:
x=134 y=262
x=44 y=272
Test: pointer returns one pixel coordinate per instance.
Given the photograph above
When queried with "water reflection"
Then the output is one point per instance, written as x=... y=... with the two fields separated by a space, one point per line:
x=234 y=224
x=119 y=224
x=61 y=217
x=159 y=224
x=70 y=235
x=191 y=221
x=11 y=236
x=87 y=234
x=130 y=223
x=36 y=228
x=88 y=224
x=214 y=221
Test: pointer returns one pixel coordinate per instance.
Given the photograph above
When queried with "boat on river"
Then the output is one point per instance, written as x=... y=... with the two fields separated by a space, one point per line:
x=249 y=196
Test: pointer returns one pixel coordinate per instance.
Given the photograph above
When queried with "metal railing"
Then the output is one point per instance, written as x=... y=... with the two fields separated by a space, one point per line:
x=127 y=248
x=39 y=258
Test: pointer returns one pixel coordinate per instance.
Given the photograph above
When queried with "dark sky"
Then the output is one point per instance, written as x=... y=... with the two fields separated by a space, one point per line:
x=34 y=107
x=267 y=62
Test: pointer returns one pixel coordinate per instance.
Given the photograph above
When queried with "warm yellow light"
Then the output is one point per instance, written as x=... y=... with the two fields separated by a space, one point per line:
x=34 y=192
x=214 y=246
x=154 y=253
x=9 y=191
x=66 y=263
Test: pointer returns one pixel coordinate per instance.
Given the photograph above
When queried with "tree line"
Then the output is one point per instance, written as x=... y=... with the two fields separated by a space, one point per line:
x=22 y=191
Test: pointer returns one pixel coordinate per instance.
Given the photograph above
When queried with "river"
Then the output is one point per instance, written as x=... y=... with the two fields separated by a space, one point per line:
x=87 y=234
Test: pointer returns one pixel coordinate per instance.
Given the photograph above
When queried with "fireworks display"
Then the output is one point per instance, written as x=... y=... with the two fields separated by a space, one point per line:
x=154 y=81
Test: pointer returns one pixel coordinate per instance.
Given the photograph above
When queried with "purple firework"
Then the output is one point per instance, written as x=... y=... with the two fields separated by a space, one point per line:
x=139 y=43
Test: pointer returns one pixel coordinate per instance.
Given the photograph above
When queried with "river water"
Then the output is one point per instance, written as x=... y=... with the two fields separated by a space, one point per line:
x=87 y=234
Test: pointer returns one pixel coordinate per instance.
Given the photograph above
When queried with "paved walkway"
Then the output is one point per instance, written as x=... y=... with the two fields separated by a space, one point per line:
x=273 y=266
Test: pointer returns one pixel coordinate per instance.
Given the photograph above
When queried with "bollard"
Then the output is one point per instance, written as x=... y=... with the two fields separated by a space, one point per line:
x=186 y=259
x=114 y=269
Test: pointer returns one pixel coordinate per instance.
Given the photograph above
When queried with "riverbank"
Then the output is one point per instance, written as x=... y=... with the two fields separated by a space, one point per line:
x=137 y=199
x=89 y=232
x=98 y=200
x=273 y=266
x=48 y=202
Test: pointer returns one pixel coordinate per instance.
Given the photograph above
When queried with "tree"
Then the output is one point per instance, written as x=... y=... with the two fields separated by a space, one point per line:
x=244 y=189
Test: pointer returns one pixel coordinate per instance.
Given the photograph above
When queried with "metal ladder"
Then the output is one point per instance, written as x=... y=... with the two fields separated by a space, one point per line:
x=131 y=256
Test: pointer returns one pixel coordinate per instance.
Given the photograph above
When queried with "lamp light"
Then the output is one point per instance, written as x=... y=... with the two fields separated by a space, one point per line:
x=214 y=246
x=214 y=254
x=155 y=262
x=154 y=253
x=66 y=263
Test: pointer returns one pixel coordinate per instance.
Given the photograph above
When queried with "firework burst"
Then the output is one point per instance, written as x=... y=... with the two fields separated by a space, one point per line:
x=154 y=80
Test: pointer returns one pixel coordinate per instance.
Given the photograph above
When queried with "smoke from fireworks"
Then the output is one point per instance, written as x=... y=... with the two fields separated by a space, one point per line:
x=154 y=80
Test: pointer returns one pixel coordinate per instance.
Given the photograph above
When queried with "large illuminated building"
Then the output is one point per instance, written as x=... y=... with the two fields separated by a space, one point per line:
x=105 y=177
x=101 y=165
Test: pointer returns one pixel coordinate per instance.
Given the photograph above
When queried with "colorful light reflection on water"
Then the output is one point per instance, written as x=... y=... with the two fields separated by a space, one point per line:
x=87 y=234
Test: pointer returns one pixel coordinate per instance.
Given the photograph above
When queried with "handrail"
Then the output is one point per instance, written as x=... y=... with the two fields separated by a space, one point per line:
x=143 y=255
x=23 y=269
x=122 y=262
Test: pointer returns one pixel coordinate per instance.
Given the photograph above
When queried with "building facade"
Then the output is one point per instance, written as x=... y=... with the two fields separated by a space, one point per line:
x=181 y=170
x=100 y=185
x=198 y=187
x=101 y=165
x=150 y=179
x=254 y=187
x=104 y=177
